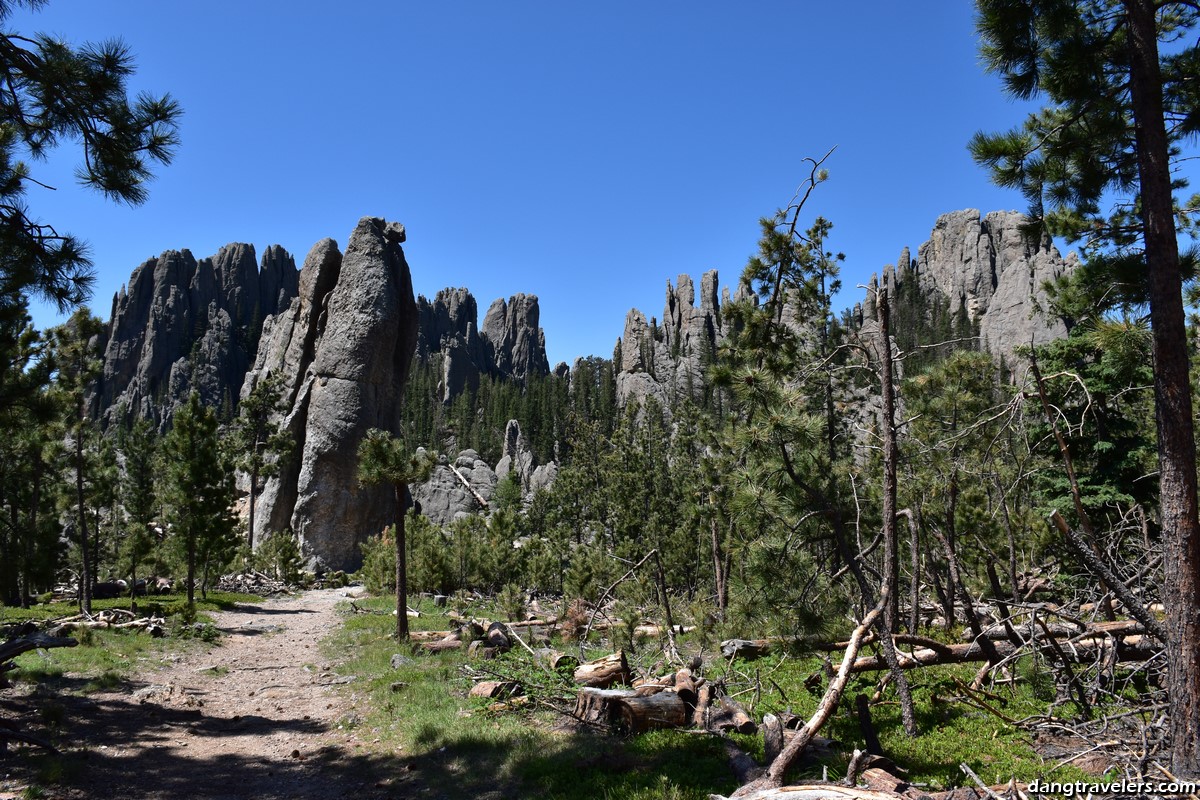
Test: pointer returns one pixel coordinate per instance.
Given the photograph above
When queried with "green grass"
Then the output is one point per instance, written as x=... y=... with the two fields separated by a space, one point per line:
x=166 y=605
x=457 y=744
x=421 y=710
x=105 y=659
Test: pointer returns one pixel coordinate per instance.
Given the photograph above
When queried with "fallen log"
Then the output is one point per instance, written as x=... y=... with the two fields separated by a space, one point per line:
x=747 y=649
x=555 y=661
x=497 y=637
x=728 y=715
x=1083 y=649
x=38 y=641
x=651 y=712
x=685 y=687
x=604 y=672
x=702 y=713
x=442 y=645
x=598 y=705
x=496 y=690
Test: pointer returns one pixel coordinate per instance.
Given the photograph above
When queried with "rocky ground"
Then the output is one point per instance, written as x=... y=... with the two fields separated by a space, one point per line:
x=259 y=715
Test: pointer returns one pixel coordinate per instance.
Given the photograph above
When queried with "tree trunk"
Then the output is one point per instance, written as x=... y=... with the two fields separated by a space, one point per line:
x=718 y=571
x=1172 y=391
x=191 y=565
x=891 y=454
x=86 y=578
x=253 y=494
x=401 y=564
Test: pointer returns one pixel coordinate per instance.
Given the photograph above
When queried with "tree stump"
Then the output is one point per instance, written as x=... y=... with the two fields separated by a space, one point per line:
x=598 y=705
x=653 y=712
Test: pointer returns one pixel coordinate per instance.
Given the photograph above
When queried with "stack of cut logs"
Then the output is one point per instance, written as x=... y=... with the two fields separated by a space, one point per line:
x=677 y=699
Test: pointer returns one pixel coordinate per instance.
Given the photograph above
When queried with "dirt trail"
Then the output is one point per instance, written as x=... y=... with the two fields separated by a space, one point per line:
x=259 y=715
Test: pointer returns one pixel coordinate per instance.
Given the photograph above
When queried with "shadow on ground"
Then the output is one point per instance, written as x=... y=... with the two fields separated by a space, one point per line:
x=97 y=763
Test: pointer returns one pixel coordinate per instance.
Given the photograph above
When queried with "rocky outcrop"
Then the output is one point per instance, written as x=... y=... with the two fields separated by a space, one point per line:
x=989 y=266
x=517 y=455
x=455 y=487
x=182 y=325
x=667 y=362
x=509 y=345
x=344 y=346
x=518 y=344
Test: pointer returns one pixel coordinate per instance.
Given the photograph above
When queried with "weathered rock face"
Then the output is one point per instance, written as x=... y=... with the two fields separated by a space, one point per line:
x=667 y=362
x=981 y=263
x=344 y=346
x=509 y=345
x=987 y=265
x=518 y=345
x=183 y=324
x=517 y=455
x=445 y=497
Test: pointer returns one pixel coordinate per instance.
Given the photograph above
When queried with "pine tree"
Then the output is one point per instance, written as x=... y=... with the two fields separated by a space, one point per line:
x=384 y=459
x=137 y=445
x=1119 y=109
x=78 y=366
x=259 y=440
x=49 y=92
x=198 y=489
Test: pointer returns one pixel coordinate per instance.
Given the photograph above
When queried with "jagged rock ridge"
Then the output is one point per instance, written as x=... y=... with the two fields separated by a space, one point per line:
x=989 y=266
x=182 y=324
x=984 y=264
x=508 y=345
x=667 y=362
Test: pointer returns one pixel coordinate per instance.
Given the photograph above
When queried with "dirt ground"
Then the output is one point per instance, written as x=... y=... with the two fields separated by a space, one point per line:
x=259 y=715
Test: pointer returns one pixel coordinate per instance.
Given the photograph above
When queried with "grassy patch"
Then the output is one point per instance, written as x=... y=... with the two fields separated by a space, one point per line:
x=453 y=742
x=166 y=605
x=105 y=659
x=421 y=710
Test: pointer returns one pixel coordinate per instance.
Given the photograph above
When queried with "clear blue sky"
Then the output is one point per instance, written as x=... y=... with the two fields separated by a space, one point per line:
x=582 y=152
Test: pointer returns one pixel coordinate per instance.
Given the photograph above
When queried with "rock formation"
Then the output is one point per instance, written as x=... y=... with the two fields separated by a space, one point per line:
x=344 y=346
x=988 y=266
x=454 y=489
x=667 y=362
x=508 y=345
x=985 y=265
x=183 y=324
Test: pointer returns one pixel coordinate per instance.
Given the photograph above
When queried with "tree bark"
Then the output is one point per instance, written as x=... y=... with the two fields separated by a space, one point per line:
x=1172 y=390
x=401 y=564
x=891 y=454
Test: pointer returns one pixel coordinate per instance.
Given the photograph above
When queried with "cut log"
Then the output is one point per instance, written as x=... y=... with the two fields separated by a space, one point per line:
x=555 y=661
x=497 y=637
x=480 y=651
x=496 y=690
x=746 y=649
x=663 y=710
x=685 y=687
x=604 y=672
x=772 y=731
x=598 y=705
x=702 y=713
x=442 y=645
x=728 y=715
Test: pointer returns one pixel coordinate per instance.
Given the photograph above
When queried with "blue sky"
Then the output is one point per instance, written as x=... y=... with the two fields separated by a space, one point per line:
x=585 y=153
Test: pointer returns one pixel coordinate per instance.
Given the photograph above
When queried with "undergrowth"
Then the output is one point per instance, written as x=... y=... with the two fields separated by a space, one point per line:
x=468 y=747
